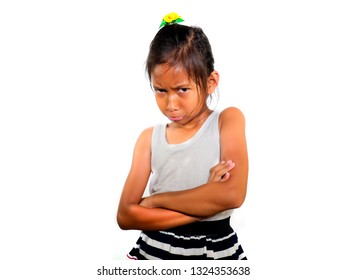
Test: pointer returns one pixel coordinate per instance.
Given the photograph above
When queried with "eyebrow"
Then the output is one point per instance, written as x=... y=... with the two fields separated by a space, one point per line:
x=182 y=85
x=178 y=86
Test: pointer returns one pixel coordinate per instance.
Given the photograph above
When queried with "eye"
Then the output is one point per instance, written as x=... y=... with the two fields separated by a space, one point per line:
x=183 y=90
x=159 y=91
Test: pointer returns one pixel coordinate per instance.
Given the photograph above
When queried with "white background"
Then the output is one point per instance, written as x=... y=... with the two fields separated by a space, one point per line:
x=74 y=98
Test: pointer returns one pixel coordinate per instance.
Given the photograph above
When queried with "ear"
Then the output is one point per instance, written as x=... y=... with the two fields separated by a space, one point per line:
x=212 y=82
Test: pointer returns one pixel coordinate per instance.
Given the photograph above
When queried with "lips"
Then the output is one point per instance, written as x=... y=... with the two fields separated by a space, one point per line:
x=175 y=119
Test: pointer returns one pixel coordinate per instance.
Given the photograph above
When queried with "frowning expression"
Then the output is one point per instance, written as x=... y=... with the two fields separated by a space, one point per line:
x=177 y=96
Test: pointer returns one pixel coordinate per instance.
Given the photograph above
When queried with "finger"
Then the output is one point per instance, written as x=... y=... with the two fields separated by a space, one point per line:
x=224 y=168
x=217 y=167
x=218 y=177
x=218 y=171
x=224 y=165
x=225 y=177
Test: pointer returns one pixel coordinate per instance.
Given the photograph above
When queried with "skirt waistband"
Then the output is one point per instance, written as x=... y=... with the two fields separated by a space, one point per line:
x=204 y=228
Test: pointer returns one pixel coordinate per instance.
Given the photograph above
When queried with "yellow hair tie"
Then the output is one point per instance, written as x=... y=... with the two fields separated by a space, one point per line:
x=171 y=19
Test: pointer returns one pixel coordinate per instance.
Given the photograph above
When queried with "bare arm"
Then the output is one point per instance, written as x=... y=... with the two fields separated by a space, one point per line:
x=215 y=197
x=130 y=214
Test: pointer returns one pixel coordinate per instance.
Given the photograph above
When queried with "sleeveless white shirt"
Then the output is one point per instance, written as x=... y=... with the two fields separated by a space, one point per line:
x=186 y=165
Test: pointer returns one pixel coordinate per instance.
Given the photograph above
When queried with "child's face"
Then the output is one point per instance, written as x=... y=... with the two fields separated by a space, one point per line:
x=177 y=96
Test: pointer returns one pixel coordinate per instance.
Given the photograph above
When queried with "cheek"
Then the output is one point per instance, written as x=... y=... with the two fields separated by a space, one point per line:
x=160 y=101
x=198 y=100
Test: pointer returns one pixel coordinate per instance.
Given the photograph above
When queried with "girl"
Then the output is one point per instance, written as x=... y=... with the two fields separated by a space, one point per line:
x=194 y=185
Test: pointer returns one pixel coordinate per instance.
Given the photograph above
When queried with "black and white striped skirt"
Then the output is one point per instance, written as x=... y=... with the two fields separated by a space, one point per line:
x=212 y=240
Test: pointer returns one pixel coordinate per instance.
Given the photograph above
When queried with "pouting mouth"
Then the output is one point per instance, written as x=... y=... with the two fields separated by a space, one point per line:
x=175 y=119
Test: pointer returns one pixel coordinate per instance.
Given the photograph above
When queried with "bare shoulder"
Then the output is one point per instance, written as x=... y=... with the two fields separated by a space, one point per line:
x=231 y=116
x=145 y=137
x=142 y=152
x=147 y=132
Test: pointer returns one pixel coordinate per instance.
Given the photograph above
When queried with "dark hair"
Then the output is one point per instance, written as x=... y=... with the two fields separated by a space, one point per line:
x=184 y=46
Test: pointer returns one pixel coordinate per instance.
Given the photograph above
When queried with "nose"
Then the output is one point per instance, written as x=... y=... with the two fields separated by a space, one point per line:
x=172 y=103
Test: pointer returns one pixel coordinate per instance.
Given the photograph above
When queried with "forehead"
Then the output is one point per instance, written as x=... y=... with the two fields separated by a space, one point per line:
x=166 y=74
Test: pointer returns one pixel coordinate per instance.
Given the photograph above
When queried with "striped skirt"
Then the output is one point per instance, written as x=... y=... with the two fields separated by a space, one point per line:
x=212 y=240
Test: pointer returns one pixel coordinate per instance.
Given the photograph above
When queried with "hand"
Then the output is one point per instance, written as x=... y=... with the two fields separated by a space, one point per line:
x=220 y=172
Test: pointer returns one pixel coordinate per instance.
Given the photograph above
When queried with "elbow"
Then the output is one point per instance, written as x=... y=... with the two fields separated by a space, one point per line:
x=237 y=202
x=235 y=197
x=127 y=217
x=233 y=202
x=122 y=221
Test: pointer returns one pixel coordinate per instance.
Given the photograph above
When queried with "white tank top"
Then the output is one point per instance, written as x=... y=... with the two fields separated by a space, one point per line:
x=186 y=165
